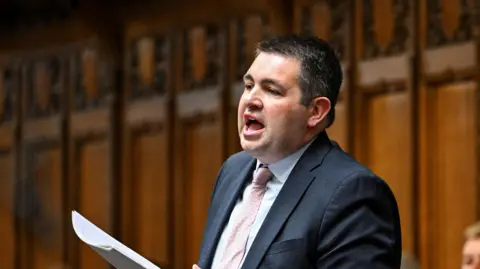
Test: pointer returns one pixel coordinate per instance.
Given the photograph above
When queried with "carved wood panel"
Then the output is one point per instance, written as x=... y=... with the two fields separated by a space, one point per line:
x=149 y=66
x=383 y=96
x=199 y=128
x=448 y=22
x=89 y=130
x=387 y=27
x=44 y=87
x=246 y=32
x=41 y=183
x=203 y=57
x=93 y=80
x=328 y=20
x=147 y=194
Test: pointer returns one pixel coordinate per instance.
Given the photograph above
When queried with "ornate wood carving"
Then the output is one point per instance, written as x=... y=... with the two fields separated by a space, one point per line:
x=386 y=25
x=7 y=88
x=328 y=20
x=150 y=66
x=44 y=88
x=203 y=53
x=449 y=22
x=93 y=80
x=249 y=32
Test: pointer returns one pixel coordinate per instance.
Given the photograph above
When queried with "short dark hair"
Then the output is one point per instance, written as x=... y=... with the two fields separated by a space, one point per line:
x=320 y=68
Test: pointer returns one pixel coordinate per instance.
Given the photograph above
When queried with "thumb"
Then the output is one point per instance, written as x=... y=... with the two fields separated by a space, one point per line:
x=195 y=267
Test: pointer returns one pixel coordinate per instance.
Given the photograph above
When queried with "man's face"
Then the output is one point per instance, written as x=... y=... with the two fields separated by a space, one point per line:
x=471 y=254
x=272 y=123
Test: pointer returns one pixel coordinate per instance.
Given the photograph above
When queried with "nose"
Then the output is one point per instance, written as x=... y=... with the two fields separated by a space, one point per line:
x=252 y=98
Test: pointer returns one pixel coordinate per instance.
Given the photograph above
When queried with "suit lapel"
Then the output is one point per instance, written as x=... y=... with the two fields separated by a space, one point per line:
x=230 y=189
x=286 y=201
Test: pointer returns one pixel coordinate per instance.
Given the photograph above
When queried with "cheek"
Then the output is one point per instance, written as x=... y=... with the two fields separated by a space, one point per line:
x=286 y=116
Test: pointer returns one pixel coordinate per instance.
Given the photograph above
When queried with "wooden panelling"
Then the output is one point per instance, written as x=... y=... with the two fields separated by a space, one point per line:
x=91 y=186
x=43 y=189
x=449 y=184
x=199 y=130
x=7 y=219
x=383 y=103
x=151 y=196
x=329 y=20
x=94 y=193
x=147 y=200
x=129 y=123
x=9 y=92
x=389 y=151
x=41 y=185
x=448 y=130
x=197 y=135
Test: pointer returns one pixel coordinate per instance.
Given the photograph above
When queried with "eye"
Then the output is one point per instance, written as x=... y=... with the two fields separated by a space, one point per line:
x=274 y=92
x=248 y=86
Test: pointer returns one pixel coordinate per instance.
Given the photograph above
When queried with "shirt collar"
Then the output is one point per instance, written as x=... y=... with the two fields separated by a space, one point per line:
x=281 y=169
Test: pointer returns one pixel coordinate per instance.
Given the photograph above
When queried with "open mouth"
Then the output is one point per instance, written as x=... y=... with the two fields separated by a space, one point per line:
x=253 y=124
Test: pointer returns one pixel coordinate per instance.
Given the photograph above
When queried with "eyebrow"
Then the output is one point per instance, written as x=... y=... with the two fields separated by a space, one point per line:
x=266 y=81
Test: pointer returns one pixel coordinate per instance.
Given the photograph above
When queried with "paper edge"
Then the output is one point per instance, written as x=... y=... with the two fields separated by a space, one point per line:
x=77 y=216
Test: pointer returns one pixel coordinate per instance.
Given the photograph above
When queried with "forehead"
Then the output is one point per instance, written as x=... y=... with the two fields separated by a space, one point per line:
x=274 y=66
x=472 y=246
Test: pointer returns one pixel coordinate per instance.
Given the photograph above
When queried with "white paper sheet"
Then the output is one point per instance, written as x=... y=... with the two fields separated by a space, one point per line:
x=117 y=254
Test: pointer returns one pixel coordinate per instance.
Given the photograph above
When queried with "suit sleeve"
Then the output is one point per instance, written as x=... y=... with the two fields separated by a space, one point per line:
x=361 y=226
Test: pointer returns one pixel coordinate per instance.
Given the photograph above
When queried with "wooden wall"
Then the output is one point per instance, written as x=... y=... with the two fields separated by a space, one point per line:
x=127 y=115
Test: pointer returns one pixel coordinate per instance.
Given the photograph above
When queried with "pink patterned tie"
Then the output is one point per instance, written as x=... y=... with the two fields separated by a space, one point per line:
x=237 y=240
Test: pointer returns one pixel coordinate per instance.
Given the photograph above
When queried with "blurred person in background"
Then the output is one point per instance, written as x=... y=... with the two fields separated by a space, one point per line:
x=471 y=247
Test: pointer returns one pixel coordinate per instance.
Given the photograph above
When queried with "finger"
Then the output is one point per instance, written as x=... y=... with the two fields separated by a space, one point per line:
x=195 y=267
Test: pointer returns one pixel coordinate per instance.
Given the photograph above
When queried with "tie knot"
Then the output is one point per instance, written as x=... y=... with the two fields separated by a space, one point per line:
x=262 y=176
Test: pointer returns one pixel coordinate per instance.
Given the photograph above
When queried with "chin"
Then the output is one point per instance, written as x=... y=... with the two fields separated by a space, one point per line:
x=250 y=146
x=254 y=148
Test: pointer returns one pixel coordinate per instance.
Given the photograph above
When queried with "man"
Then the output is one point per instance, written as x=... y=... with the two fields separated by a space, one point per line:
x=471 y=247
x=293 y=198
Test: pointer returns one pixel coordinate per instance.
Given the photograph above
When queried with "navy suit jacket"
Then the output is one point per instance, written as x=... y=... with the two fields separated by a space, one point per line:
x=332 y=212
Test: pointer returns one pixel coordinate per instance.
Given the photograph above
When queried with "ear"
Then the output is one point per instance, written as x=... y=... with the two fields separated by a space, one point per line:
x=318 y=109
